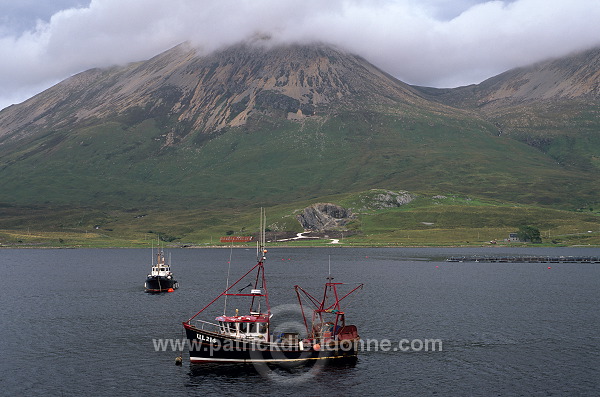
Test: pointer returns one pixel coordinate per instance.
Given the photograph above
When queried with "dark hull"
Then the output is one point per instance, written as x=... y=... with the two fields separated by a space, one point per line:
x=207 y=347
x=160 y=284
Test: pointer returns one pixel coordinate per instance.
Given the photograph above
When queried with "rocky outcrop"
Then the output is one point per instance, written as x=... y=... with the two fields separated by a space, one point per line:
x=324 y=216
x=389 y=199
x=376 y=199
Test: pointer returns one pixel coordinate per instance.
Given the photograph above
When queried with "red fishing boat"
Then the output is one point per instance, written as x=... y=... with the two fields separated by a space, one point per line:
x=248 y=337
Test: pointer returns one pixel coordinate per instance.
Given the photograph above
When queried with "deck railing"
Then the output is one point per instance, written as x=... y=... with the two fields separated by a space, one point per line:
x=202 y=323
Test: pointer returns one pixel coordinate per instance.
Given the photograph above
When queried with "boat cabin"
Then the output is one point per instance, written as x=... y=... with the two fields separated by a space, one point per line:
x=160 y=268
x=254 y=326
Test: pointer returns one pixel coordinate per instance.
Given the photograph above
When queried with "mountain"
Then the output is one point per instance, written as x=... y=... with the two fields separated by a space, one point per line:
x=576 y=77
x=552 y=106
x=207 y=94
x=256 y=124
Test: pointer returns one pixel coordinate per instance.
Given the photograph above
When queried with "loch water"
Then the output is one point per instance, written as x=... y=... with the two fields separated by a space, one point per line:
x=77 y=322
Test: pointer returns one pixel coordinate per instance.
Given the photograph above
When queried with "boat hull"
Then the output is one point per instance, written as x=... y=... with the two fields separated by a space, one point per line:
x=211 y=347
x=160 y=284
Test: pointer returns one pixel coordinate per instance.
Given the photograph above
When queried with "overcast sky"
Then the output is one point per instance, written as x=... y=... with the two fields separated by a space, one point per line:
x=438 y=43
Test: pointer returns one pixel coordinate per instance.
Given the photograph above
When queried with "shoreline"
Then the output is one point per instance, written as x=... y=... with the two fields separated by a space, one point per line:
x=329 y=245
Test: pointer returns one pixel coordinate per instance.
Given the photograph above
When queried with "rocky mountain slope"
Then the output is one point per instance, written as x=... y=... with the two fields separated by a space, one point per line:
x=553 y=106
x=575 y=77
x=208 y=93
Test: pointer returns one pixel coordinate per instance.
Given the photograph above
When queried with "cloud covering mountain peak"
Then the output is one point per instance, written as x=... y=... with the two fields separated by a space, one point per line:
x=426 y=42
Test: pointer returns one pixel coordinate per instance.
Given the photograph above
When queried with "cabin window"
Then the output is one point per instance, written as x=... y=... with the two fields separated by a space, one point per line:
x=252 y=328
x=263 y=328
x=222 y=326
x=244 y=327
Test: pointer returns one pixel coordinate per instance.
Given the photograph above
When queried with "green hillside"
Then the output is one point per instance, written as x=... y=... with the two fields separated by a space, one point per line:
x=567 y=131
x=127 y=167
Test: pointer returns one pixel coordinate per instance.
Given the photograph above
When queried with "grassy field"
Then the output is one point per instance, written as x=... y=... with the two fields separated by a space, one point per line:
x=426 y=221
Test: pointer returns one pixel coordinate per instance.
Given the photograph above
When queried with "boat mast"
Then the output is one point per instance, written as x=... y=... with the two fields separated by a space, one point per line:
x=259 y=268
x=260 y=244
x=260 y=258
x=329 y=304
x=227 y=284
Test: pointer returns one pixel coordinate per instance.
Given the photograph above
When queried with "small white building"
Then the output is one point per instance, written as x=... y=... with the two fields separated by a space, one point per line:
x=513 y=237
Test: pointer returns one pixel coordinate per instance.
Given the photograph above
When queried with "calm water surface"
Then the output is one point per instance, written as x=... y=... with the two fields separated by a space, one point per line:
x=77 y=322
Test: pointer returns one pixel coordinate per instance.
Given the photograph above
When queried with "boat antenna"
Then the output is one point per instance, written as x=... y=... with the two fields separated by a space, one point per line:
x=260 y=245
x=259 y=241
x=228 y=270
x=157 y=249
x=329 y=278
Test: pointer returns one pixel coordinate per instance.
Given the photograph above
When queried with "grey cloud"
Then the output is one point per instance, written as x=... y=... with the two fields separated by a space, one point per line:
x=426 y=42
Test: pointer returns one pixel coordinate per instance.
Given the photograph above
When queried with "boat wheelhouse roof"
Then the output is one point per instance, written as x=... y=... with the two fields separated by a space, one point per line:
x=261 y=318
